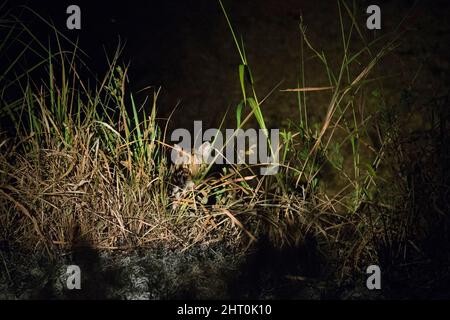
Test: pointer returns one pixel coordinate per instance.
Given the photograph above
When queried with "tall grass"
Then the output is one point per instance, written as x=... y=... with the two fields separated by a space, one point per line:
x=86 y=164
x=83 y=162
x=298 y=200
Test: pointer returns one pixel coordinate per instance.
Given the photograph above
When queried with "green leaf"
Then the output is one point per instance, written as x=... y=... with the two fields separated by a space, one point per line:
x=257 y=112
x=239 y=108
x=376 y=93
x=242 y=80
x=370 y=170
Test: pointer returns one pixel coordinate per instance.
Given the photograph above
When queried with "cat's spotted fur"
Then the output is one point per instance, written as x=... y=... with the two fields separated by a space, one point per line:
x=187 y=167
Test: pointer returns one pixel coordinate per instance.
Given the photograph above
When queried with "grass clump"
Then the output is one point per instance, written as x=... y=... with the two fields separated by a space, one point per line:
x=82 y=163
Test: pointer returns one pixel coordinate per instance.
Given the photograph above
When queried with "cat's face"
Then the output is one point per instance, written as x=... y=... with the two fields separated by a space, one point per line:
x=191 y=162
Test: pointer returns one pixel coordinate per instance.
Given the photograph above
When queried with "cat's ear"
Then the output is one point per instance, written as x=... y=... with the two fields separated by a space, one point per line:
x=205 y=151
x=179 y=156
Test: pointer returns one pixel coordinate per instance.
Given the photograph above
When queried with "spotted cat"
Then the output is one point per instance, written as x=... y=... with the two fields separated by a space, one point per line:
x=187 y=167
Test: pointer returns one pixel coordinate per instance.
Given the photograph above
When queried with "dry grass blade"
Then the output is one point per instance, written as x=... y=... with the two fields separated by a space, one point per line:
x=308 y=89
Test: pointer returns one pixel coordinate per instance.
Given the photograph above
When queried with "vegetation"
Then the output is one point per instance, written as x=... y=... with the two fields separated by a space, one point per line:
x=82 y=162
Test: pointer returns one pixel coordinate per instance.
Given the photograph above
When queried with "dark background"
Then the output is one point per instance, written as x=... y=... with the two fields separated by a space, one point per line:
x=185 y=48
